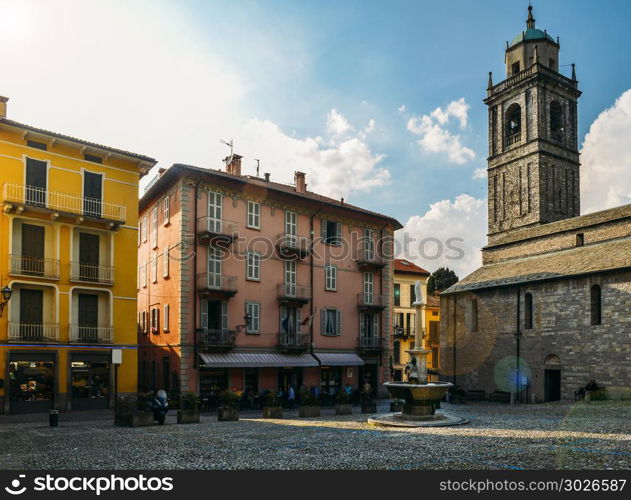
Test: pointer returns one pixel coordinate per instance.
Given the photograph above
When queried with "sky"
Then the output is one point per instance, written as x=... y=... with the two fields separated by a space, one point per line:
x=378 y=102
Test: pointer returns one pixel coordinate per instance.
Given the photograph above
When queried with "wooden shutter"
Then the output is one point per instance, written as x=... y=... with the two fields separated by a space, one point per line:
x=375 y=325
x=167 y=210
x=203 y=313
x=298 y=320
x=166 y=318
x=323 y=321
x=338 y=322
x=224 y=315
x=323 y=230
x=33 y=249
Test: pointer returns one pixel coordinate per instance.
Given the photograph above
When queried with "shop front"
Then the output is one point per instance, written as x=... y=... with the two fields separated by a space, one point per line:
x=90 y=381
x=32 y=382
x=338 y=371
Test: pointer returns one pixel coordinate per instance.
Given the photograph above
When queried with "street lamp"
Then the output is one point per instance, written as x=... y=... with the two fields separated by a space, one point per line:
x=6 y=296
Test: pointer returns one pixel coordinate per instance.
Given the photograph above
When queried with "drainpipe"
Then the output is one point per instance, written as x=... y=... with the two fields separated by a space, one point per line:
x=195 y=297
x=311 y=278
x=517 y=347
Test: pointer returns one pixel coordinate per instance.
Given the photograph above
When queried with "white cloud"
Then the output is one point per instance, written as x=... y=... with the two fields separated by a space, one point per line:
x=401 y=109
x=451 y=234
x=606 y=158
x=480 y=173
x=370 y=128
x=337 y=124
x=334 y=170
x=435 y=136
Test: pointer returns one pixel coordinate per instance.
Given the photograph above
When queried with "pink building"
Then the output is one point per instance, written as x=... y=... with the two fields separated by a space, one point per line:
x=251 y=284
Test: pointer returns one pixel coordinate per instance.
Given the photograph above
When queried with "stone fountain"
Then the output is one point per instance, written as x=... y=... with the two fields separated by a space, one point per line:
x=422 y=398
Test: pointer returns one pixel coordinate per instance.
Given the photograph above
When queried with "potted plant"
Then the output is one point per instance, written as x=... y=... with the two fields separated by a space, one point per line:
x=309 y=404
x=137 y=410
x=272 y=406
x=189 y=409
x=343 y=405
x=367 y=400
x=228 y=406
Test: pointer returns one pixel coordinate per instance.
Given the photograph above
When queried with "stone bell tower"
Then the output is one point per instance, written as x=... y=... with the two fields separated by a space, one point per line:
x=533 y=163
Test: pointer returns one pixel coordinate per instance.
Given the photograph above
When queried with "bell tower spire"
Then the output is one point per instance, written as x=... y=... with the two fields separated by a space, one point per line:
x=530 y=22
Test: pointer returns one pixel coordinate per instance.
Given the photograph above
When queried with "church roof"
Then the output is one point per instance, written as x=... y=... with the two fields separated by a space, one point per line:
x=574 y=262
x=571 y=224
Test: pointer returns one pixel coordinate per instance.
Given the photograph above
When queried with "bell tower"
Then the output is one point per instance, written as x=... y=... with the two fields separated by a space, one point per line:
x=533 y=163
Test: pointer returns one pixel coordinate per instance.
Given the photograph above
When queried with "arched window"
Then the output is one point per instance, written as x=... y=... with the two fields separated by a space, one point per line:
x=556 y=121
x=528 y=311
x=596 y=305
x=474 y=315
x=513 y=124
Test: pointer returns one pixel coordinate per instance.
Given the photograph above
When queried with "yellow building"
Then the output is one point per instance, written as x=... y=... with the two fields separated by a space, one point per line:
x=68 y=242
x=406 y=274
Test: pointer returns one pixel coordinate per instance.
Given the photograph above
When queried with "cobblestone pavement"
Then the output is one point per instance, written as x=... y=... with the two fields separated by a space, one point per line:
x=593 y=435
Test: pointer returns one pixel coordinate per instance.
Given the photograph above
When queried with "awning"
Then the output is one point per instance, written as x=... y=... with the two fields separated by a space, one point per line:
x=339 y=359
x=256 y=360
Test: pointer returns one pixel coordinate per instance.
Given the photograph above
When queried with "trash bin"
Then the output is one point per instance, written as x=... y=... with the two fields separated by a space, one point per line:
x=53 y=418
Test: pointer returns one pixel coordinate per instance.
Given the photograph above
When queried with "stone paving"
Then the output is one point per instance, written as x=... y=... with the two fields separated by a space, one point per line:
x=594 y=435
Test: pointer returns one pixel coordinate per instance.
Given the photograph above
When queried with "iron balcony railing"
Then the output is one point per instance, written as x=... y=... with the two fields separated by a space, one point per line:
x=218 y=282
x=209 y=226
x=372 y=300
x=92 y=274
x=513 y=139
x=91 y=334
x=63 y=202
x=291 y=244
x=404 y=331
x=293 y=291
x=20 y=265
x=368 y=255
x=370 y=342
x=210 y=337
x=33 y=332
x=294 y=340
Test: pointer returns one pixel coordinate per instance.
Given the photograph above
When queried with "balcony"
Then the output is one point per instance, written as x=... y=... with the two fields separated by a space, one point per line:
x=403 y=332
x=513 y=139
x=215 y=339
x=85 y=273
x=41 y=199
x=371 y=301
x=217 y=284
x=370 y=343
x=20 y=265
x=216 y=231
x=33 y=332
x=91 y=334
x=292 y=294
x=291 y=246
x=292 y=341
x=369 y=260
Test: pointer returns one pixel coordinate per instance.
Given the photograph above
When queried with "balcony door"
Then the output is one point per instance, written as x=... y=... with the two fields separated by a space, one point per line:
x=368 y=288
x=32 y=259
x=290 y=278
x=35 y=194
x=88 y=257
x=215 y=202
x=92 y=194
x=214 y=267
x=368 y=328
x=369 y=244
x=88 y=320
x=31 y=314
x=291 y=226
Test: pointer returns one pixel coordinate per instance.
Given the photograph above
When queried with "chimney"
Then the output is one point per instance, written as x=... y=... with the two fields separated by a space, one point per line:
x=299 y=180
x=266 y=174
x=3 y=106
x=233 y=164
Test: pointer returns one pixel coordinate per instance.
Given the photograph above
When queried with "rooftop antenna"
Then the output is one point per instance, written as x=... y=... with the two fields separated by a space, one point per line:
x=227 y=143
x=258 y=165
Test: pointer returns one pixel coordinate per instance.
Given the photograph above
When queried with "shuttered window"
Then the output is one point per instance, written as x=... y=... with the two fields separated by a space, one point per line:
x=254 y=215
x=253 y=266
x=166 y=211
x=331 y=322
x=330 y=275
x=253 y=310
x=165 y=319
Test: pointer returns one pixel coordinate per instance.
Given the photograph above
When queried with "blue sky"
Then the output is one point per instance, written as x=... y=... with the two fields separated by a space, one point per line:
x=379 y=102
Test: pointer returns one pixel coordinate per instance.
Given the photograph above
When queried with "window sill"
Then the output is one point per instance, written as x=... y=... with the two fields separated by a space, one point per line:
x=256 y=280
x=330 y=290
x=252 y=227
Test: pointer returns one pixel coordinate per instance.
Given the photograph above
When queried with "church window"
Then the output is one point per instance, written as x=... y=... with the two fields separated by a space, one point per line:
x=474 y=315
x=596 y=305
x=513 y=124
x=515 y=68
x=556 y=121
x=528 y=311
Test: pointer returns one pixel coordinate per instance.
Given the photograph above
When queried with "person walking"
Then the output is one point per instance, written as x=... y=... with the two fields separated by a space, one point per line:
x=291 y=397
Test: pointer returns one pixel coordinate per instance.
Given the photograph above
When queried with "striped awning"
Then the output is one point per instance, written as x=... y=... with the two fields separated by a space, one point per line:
x=339 y=359
x=256 y=360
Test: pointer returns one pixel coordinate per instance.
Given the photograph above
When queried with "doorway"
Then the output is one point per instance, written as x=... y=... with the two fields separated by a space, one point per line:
x=92 y=194
x=552 y=385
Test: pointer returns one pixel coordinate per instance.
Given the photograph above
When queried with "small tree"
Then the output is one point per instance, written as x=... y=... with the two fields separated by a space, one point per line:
x=441 y=279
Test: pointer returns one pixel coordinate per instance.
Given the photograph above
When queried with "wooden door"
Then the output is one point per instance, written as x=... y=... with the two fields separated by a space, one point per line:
x=32 y=250
x=88 y=320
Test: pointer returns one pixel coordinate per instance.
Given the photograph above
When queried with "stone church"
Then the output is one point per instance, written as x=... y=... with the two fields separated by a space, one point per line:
x=550 y=308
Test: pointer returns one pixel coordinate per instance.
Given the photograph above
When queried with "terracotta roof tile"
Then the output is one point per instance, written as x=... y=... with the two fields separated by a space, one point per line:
x=405 y=266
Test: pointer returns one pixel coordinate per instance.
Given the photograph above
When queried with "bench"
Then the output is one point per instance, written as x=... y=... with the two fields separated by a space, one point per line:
x=500 y=397
x=475 y=395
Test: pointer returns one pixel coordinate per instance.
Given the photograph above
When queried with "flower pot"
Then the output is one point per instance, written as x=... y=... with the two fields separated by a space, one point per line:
x=272 y=412
x=309 y=411
x=227 y=414
x=188 y=417
x=141 y=418
x=343 y=409
x=369 y=407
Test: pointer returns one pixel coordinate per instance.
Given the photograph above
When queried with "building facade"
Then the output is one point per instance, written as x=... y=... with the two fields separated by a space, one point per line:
x=549 y=310
x=68 y=266
x=249 y=284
